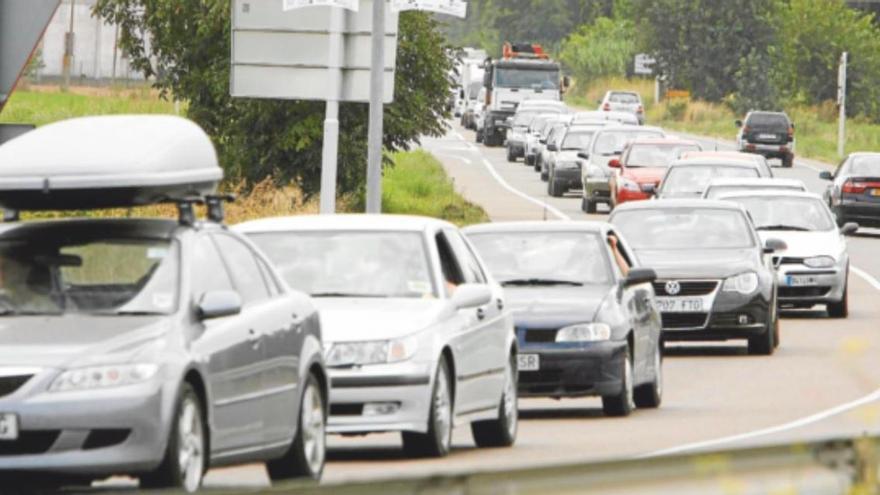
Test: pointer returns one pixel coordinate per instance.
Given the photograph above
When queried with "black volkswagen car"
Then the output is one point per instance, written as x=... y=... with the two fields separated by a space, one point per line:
x=584 y=311
x=715 y=278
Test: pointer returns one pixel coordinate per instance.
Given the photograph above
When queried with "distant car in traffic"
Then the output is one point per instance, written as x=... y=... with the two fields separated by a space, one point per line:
x=623 y=101
x=625 y=118
x=519 y=124
x=815 y=266
x=417 y=338
x=607 y=145
x=563 y=165
x=689 y=178
x=854 y=192
x=153 y=348
x=760 y=161
x=539 y=129
x=770 y=134
x=584 y=312
x=642 y=165
x=715 y=280
x=721 y=187
x=550 y=132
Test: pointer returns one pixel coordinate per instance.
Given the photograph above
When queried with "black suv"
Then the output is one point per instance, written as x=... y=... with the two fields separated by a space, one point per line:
x=770 y=134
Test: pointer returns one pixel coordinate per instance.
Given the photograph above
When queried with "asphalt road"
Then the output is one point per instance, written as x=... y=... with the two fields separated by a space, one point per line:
x=824 y=380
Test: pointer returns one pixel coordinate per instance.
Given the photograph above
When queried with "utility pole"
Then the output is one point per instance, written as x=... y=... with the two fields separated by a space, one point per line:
x=841 y=104
x=331 y=118
x=68 y=49
x=377 y=96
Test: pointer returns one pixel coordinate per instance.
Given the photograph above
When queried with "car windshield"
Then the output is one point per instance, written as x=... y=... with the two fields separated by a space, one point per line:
x=538 y=123
x=351 y=264
x=567 y=258
x=62 y=274
x=609 y=143
x=524 y=118
x=767 y=120
x=694 y=179
x=865 y=166
x=628 y=98
x=549 y=126
x=656 y=155
x=718 y=191
x=684 y=228
x=578 y=140
x=787 y=213
x=526 y=78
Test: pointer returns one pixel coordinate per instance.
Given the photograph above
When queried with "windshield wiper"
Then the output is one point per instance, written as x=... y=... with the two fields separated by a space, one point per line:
x=133 y=312
x=348 y=294
x=540 y=281
x=783 y=227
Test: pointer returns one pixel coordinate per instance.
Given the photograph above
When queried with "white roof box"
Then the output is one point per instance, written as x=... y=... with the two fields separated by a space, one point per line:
x=107 y=162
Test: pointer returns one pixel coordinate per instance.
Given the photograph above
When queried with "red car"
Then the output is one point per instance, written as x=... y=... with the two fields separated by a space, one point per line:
x=642 y=165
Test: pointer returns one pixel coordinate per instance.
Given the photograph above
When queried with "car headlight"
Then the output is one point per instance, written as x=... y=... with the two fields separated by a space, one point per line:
x=567 y=165
x=628 y=184
x=375 y=352
x=93 y=377
x=584 y=332
x=819 y=262
x=744 y=283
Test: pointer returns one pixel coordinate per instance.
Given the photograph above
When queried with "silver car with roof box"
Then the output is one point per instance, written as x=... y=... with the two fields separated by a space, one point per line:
x=155 y=348
x=687 y=179
x=721 y=187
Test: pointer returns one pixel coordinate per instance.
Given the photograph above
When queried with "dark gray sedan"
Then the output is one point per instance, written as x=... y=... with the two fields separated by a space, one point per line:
x=854 y=192
x=583 y=308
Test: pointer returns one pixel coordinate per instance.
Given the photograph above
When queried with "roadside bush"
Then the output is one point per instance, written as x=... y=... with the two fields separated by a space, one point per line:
x=676 y=109
x=603 y=48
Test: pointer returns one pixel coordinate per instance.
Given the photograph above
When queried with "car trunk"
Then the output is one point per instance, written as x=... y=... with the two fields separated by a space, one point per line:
x=770 y=131
x=864 y=189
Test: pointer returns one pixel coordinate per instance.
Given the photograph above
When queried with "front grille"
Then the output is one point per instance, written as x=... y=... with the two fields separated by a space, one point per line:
x=687 y=287
x=29 y=443
x=803 y=291
x=787 y=260
x=540 y=336
x=674 y=321
x=9 y=384
x=354 y=409
x=102 y=438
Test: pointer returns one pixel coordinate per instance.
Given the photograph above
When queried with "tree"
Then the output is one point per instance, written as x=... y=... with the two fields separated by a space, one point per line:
x=186 y=45
x=604 y=48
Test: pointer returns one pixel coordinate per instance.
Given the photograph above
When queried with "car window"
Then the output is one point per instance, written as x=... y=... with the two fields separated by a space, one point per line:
x=865 y=166
x=787 y=213
x=577 y=140
x=767 y=120
x=245 y=271
x=656 y=155
x=614 y=142
x=271 y=282
x=694 y=179
x=684 y=228
x=717 y=191
x=453 y=274
x=208 y=269
x=623 y=98
x=470 y=267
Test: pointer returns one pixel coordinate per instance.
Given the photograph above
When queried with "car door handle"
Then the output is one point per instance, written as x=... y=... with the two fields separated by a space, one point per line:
x=296 y=323
x=481 y=313
x=500 y=304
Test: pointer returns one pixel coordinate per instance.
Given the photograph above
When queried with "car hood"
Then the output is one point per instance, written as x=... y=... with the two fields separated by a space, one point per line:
x=58 y=341
x=567 y=156
x=698 y=263
x=644 y=174
x=362 y=319
x=538 y=306
x=806 y=244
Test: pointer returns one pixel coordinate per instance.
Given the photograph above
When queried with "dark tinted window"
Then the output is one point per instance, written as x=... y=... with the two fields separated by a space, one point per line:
x=768 y=120
x=243 y=266
x=469 y=265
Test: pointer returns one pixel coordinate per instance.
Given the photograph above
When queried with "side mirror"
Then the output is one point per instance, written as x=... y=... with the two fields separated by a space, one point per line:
x=614 y=163
x=471 y=296
x=638 y=276
x=774 y=246
x=552 y=147
x=792 y=125
x=566 y=82
x=584 y=155
x=650 y=189
x=826 y=175
x=738 y=123
x=542 y=141
x=218 y=303
x=849 y=228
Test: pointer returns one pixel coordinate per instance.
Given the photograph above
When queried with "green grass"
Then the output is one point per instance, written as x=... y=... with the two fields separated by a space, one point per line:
x=38 y=107
x=418 y=185
x=816 y=126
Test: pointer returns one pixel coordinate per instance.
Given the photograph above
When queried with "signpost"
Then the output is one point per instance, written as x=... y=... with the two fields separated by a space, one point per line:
x=841 y=104
x=643 y=64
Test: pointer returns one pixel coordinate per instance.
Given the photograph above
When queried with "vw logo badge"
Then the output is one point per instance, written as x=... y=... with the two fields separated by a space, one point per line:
x=673 y=287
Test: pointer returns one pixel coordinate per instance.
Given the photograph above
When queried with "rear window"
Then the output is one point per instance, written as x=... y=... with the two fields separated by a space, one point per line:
x=868 y=166
x=623 y=98
x=768 y=120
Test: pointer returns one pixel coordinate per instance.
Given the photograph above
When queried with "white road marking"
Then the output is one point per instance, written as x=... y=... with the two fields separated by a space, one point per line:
x=505 y=185
x=798 y=423
x=466 y=161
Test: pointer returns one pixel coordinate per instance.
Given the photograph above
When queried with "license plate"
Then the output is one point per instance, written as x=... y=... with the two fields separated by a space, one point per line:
x=528 y=362
x=766 y=136
x=801 y=280
x=680 y=305
x=875 y=192
x=8 y=426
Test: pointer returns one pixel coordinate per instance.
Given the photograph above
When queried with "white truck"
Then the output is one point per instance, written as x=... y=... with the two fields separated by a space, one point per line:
x=524 y=72
x=468 y=70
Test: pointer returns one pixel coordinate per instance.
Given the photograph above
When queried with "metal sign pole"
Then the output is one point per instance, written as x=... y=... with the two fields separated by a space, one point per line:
x=331 y=119
x=377 y=92
x=841 y=103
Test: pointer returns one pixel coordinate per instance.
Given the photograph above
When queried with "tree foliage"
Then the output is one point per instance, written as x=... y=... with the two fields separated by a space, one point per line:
x=603 y=48
x=186 y=47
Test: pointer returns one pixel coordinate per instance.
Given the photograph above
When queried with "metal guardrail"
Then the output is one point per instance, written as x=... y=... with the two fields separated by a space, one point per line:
x=821 y=468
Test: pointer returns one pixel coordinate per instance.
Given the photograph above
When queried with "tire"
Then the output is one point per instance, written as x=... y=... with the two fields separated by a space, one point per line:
x=650 y=395
x=537 y=167
x=501 y=432
x=183 y=466
x=623 y=403
x=554 y=188
x=764 y=344
x=308 y=450
x=510 y=157
x=438 y=440
x=478 y=136
x=840 y=309
x=787 y=161
x=588 y=206
x=545 y=176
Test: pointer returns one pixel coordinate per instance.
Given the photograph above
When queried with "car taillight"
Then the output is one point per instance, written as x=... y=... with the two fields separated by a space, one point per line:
x=640 y=109
x=606 y=107
x=790 y=132
x=851 y=187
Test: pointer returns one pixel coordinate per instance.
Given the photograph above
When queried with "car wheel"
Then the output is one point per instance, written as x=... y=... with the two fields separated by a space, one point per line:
x=554 y=187
x=501 y=432
x=308 y=450
x=545 y=176
x=185 y=458
x=651 y=394
x=478 y=136
x=840 y=309
x=588 y=205
x=787 y=161
x=623 y=403
x=763 y=345
x=510 y=157
x=437 y=441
